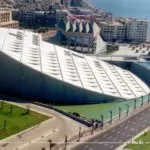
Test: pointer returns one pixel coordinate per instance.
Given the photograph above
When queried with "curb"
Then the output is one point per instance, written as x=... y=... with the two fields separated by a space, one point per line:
x=131 y=141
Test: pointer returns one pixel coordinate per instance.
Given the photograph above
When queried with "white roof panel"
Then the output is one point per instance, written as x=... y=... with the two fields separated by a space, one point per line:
x=71 y=67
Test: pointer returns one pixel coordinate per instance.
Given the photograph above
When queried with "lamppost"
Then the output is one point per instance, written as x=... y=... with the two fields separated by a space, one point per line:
x=65 y=142
x=50 y=144
x=142 y=101
x=119 y=112
x=148 y=98
x=110 y=111
x=102 y=120
x=127 y=105
x=92 y=131
x=79 y=133
x=134 y=104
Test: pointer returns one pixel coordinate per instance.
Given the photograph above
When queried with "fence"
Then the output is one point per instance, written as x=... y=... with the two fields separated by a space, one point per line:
x=115 y=116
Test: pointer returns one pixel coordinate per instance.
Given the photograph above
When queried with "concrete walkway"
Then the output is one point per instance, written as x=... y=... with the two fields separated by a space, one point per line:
x=36 y=138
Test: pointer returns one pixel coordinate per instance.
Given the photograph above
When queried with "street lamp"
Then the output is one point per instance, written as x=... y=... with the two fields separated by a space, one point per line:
x=92 y=131
x=119 y=112
x=102 y=120
x=79 y=133
x=110 y=111
x=65 y=142
x=50 y=144
x=148 y=97
x=134 y=104
x=127 y=105
x=142 y=101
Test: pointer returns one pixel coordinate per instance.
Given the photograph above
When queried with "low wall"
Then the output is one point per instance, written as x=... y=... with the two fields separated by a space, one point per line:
x=65 y=113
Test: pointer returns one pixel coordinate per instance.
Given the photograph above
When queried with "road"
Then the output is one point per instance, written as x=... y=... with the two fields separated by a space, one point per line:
x=35 y=139
x=120 y=134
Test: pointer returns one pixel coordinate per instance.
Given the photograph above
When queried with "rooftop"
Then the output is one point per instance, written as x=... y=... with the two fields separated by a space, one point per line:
x=112 y=23
x=63 y=64
x=4 y=10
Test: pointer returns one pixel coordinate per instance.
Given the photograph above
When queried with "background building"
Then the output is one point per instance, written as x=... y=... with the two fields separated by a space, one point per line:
x=136 y=30
x=6 y=19
x=124 y=30
x=80 y=34
x=113 y=31
x=35 y=19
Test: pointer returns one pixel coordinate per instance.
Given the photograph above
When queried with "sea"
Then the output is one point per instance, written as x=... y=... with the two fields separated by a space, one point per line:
x=125 y=8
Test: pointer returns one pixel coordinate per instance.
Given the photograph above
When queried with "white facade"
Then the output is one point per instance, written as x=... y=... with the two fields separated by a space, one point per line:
x=137 y=30
x=130 y=30
x=63 y=65
x=113 y=31
x=83 y=35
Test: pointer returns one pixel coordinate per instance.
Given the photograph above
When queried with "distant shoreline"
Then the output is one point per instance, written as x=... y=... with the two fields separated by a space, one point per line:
x=94 y=8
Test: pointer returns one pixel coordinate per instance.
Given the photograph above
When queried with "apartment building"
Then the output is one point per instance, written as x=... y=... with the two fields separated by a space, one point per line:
x=113 y=31
x=6 y=19
x=129 y=30
x=136 y=30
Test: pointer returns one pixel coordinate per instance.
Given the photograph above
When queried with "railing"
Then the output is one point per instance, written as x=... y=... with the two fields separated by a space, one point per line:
x=139 y=103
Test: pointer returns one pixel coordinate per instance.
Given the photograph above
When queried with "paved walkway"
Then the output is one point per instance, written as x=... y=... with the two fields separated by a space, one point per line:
x=36 y=138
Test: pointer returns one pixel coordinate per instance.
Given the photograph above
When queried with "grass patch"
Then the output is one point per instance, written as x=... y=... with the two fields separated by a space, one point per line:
x=138 y=147
x=144 y=138
x=17 y=120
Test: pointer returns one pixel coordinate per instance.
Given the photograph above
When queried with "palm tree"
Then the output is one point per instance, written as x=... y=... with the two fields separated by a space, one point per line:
x=2 y=105
x=11 y=108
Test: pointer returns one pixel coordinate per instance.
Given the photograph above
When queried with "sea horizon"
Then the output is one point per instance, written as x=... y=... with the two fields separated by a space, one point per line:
x=124 y=8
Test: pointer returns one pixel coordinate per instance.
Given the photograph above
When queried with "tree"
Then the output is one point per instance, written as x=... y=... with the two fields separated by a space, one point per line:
x=2 y=105
x=28 y=109
x=11 y=108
